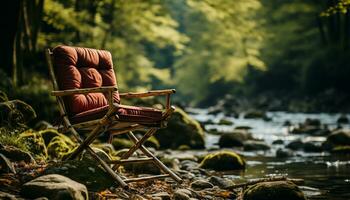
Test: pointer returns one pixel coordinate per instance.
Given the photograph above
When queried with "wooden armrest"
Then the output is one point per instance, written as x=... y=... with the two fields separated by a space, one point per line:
x=147 y=94
x=85 y=91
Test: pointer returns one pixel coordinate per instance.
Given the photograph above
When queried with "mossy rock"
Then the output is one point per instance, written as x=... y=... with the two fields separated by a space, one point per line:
x=223 y=160
x=48 y=134
x=255 y=114
x=225 y=122
x=15 y=113
x=121 y=143
x=341 y=150
x=35 y=142
x=181 y=130
x=16 y=154
x=236 y=138
x=59 y=146
x=276 y=190
x=341 y=137
x=83 y=171
x=252 y=145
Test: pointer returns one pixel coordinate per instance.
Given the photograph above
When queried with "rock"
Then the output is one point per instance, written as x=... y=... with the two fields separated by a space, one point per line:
x=5 y=165
x=182 y=194
x=343 y=119
x=121 y=143
x=276 y=190
x=295 y=145
x=287 y=123
x=278 y=142
x=16 y=154
x=15 y=113
x=341 y=150
x=42 y=125
x=225 y=122
x=188 y=165
x=7 y=196
x=243 y=128
x=312 y=147
x=255 y=114
x=59 y=146
x=340 y=137
x=220 y=182
x=152 y=142
x=201 y=184
x=85 y=172
x=54 y=186
x=161 y=196
x=234 y=139
x=142 y=168
x=86 y=156
x=312 y=122
x=283 y=153
x=310 y=126
x=223 y=160
x=252 y=145
x=181 y=130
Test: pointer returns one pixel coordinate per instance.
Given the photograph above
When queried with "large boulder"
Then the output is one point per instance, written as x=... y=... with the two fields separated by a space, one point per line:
x=83 y=171
x=236 y=138
x=182 y=130
x=54 y=186
x=223 y=160
x=276 y=190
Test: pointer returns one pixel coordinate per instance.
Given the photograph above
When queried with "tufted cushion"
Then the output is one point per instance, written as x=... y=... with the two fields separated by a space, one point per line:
x=77 y=67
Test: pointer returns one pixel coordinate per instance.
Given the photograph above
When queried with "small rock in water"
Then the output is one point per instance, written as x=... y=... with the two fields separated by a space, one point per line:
x=223 y=160
x=343 y=119
x=312 y=147
x=201 y=184
x=252 y=145
x=276 y=190
x=295 y=145
x=278 y=142
x=225 y=122
x=235 y=138
x=283 y=153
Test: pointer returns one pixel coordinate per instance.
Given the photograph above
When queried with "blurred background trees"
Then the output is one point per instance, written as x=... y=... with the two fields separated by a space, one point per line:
x=204 y=48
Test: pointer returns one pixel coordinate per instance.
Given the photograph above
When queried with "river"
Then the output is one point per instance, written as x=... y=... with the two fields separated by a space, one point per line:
x=326 y=176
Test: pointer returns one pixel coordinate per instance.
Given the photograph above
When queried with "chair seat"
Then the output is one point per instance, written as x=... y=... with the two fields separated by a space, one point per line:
x=125 y=113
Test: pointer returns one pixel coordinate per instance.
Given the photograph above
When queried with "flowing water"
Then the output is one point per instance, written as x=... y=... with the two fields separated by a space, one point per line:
x=326 y=176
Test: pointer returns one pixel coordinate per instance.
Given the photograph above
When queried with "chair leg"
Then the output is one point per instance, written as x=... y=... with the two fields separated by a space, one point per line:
x=136 y=146
x=156 y=161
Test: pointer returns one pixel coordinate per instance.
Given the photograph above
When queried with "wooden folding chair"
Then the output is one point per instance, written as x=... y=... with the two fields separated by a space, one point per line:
x=86 y=91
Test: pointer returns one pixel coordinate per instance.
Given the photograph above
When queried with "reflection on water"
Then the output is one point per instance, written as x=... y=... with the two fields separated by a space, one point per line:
x=326 y=176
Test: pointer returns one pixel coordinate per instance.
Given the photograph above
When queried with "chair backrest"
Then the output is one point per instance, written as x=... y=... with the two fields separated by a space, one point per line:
x=76 y=68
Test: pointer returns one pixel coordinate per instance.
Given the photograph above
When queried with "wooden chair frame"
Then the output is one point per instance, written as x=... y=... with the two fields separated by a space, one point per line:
x=110 y=123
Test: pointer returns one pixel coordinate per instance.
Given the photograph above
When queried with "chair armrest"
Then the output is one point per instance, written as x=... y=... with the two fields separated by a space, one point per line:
x=84 y=91
x=147 y=94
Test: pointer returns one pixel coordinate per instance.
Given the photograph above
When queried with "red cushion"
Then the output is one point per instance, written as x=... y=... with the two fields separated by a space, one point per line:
x=77 y=68
x=125 y=113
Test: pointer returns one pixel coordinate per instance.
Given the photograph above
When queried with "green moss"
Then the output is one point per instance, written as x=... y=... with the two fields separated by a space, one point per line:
x=121 y=143
x=223 y=160
x=181 y=130
x=11 y=138
x=152 y=142
x=274 y=191
x=35 y=142
x=341 y=149
x=3 y=96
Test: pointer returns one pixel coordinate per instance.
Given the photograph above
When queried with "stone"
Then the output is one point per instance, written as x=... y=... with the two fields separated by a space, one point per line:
x=276 y=190
x=54 y=186
x=35 y=142
x=15 y=113
x=59 y=146
x=225 y=122
x=234 y=139
x=161 y=196
x=86 y=156
x=312 y=147
x=121 y=143
x=252 y=145
x=255 y=114
x=6 y=165
x=181 y=130
x=201 y=184
x=340 y=137
x=182 y=194
x=88 y=173
x=278 y=142
x=283 y=153
x=220 y=182
x=223 y=160
x=243 y=128
x=343 y=119
x=7 y=196
x=16 y=154
x=295 y=145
